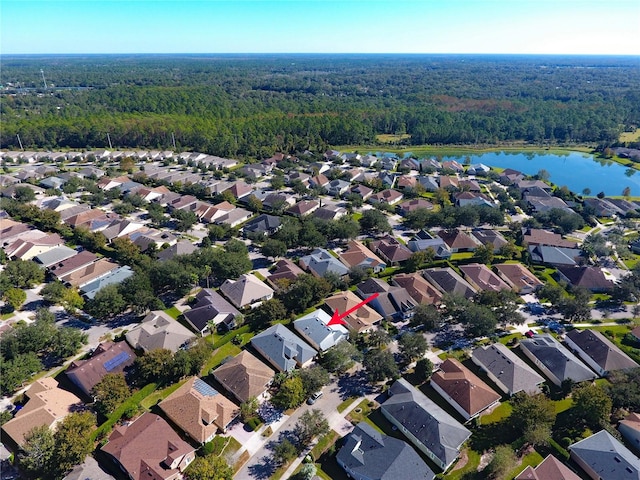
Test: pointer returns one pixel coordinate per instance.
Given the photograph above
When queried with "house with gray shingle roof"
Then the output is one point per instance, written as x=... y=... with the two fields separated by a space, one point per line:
x=370 y=455
x=506 y=369
x=55 y=255
x=432 y=430
x=210 y=309
x=159 y=330
x=320 y=261
x=597 y=351
x=115 y=276
x=282 y=348
x=554 y=360
x=246 y=290
x=601 y=456
x=314 y=329
x=447 y=280
x=629 y=428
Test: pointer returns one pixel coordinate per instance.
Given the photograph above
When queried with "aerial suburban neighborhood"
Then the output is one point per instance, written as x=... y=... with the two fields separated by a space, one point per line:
x=364 y=316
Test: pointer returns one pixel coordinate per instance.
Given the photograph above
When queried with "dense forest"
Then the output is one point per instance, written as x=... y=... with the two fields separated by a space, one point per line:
x=257 y=104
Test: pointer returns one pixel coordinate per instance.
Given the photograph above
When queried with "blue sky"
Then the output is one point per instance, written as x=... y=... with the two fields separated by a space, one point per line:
x=319 y=26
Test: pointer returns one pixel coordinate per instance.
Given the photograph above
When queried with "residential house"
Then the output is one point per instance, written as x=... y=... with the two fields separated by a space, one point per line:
x=113 y=277
x=510 y=176
x=555 y=256
x=52 y=182
x=235 y=217
x=87 y=273
x=479 y=169
x=603 y=208
x=406 y=181
x=108 y=357
x=47 y=405
x=182 y=247
x=368 y=160
x=337 y=187
x=602 y=457
x=391 y=250
x=518 y=277
x=303 y=207
x=414 y=204
x=420 y=243
x=453 y=165
x=361 y=320
x=210 y=213
x=489 y=237
x=199 y=410
x=462 y=389
x=597 y=351
x=528 y=184
x=256 y=170
x=429 y=183
x=55 y=255
x=278 y=201
x=418 y=288
x=72 y=264
x=629 y=428
x=357 y=255
x=120 y=228
x=314 y=328
x=318 y=181
x=458 y=240
x=363 y=191
x=106 y=183
x=88 y=469
x=244 y=376
x=550 y=469
x=148 y=448
x=282 y=348
x=240 y=189
x=144 y=238
x=320 y=261
x=392 y=302
x=159 y=330
x=448 y=281
x=506 y=369
x=24 y=249
x=367 y=454
x=210 y=309
x=464 y=199
x=554 y=360
x=449 y=182
x=409 y=164
x=389 y=163
x=481 y=277
x=536 y=236
x=330 y=212
x=591 y=278
x=432 y=430
x=247 y=290
x=285 y=270
x=262 y=224
x=541 y=205
x=390 y=197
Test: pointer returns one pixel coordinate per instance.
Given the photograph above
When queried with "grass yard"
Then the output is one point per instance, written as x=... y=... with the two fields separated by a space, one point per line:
x=563 y=405
x=360 y=413
x=471 y=466
x=158 y=395
x=498 y=414
x=227 y=350
x=630 y=136
x=324 y=443
x=461 y=256
x=345 y=404
x=392 y=137
x=173 y=312
x=531 y=459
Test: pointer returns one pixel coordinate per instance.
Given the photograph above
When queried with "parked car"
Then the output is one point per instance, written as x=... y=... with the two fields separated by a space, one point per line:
x=314 y=398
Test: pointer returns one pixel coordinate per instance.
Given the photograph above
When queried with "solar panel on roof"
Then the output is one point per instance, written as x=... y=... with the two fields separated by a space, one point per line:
x=204 y=388
x=116 y=361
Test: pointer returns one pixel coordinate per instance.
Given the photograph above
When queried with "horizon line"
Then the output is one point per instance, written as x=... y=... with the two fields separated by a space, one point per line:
x=556 y=54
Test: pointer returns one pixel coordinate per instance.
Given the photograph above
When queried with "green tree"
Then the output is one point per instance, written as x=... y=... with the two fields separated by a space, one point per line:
x=23 y=194
x=374 y=221
x=53 y=292
x=290 y=394
x=504 y=460
x=314 y=378
x=211 y=467
x=107 y=303
x=73 y=440
x=185 y=219
x=37 y=453
x=284 y=451
x=310 y=425
x=341 y=357
x=15 y=297
x=427 y=316
x=424 y=368
x=17 y=370
x=533 y=415
x=249 y=409
x=23 y=274
x=154 y=366
x=592 y=404
x=412 y=346
x=110 y=393
x=380 y=365
x=67 y=341
x=273 y=248
x=484 y=253
x=268 y=312
x=478 y=320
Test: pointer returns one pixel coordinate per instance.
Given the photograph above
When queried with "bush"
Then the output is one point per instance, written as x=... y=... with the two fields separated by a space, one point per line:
x=254 y=423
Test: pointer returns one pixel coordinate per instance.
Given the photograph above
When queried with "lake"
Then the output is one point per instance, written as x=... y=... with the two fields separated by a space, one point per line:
x=575 y=170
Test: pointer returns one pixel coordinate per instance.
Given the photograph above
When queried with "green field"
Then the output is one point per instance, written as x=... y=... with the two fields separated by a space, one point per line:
x=630 y=136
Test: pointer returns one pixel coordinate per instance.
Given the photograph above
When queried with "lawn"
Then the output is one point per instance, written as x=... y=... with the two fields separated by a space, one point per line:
x=345 y=404
x=498 y=414
x=158 y=395
x=173 y=312
x=461 y=256
x=531 y=459
x=324 y=443
x=473 y=460
x=391 y=137
x=563 y=405
x=227 y=350
x=630 y=136
x=360 y=413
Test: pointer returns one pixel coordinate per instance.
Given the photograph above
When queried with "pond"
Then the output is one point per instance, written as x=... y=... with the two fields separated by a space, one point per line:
x=577 y=171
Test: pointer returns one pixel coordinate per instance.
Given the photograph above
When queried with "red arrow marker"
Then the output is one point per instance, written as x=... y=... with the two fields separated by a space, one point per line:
x=337 y=318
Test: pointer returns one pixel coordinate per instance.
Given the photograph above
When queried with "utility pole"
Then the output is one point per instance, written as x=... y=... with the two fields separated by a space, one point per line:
x=43 y=80
x=173 y=140
x=20 y=142
x=109 y=138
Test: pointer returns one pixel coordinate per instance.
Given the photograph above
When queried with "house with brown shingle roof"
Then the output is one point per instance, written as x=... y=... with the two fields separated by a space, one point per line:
x=319 y=180
x=550 y=469
x=536 y=236
x=362 y=320
x=108 y=357
x=285 y=269
x=391 y=250
x=159 y=330
x=47 y=405
x=481 y=277
x=462 y=389
x=591 y=278
x=244 y=376
x=27 y=249
x=84 y=218
x=458 y=240
x=72 y=264
x=87 y=273
x=11 y=230
x=518 y=277
x=357 y=255
x=199 y=410
x=448 y=182
x=303 y=207
x=413 y=205
x=149 y=449
x=418 y=287
x=597 y=351
x=389 y=196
